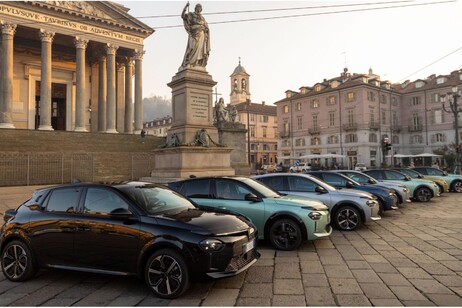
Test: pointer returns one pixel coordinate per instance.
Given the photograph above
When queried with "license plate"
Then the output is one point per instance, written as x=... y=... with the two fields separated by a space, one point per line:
x=249 y=246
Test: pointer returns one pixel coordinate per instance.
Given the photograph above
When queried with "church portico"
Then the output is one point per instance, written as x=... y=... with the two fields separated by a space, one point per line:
x=59 y=63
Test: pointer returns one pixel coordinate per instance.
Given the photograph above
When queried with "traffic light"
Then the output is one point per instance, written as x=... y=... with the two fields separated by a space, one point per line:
x=386 y=144
x=458 y=148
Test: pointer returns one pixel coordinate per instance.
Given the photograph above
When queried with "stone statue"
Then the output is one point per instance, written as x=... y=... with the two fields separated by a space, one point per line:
x=171 y=141
x=198 y=47
x=232 y=114
x=203 y=139
x=220 y=111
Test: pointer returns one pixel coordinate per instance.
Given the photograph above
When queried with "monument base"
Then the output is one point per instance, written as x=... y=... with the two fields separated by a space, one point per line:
x=186 y=161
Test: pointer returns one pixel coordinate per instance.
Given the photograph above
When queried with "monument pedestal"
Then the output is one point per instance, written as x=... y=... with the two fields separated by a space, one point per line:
x=192 y=94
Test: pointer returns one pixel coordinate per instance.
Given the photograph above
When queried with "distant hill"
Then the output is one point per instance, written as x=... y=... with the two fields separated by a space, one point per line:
x=156 y=107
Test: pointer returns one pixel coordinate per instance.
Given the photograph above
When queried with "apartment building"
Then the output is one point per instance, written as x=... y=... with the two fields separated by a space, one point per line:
x=158 y=127
x=351 y=114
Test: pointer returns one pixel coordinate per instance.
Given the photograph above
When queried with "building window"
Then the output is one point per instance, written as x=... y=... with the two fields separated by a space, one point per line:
x=315 y=141
x=351 y=97
x=317 y=88
x=286 y=129
x=415 y=100
x=437 y=116
x=371 y=96
x=264 y=129
x=299 y=123
x=439 y=137
x=264 y=119
x=395 y=139
x=384 y=117
x=315 y=121
x=331 y=100
x=333 y=139
x=419 y=84
x=286 y=143
x=373 y=138
x=435 y=98
x=286 y=109
x=331 y=118
x=394 y=101
x=416 y=122
x=350 y=138
x=351 y=117
x=440 y=80
x=276 y=135
x=315 y=103
x=372 y=116
x=299 y=106
x=383 y=99
x=416 y=139
x=300 y=142
x=252 y=117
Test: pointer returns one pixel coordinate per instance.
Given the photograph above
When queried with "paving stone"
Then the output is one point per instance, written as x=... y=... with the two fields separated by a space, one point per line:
x=352 y=300
x=319 y=297
x=429 y=286
x=288 y=286
x=126 y=301
x=264 y=262
x=401 y=262
x=383 y=268
x=442 y=255
x=454 y=265
x=344 y=286
x=289 y=300
x=387 y=254
x=394 y=279
x=445 y=300
x=323 y=243
x=349 y=253
x=437 y=269
x=8 y=298
x=151 y=300
x=337 y=271
x=409 y=251
x=266 y=253
x=375 y=259
x=253 y=302
x=423 y=259
x=411 y=303
x=315 y=280
x=179 y=302
x=258 y=274
x=287 y=270
x=221 y=297
x=261 y=290
x=366 y=276
x=286 y=260
x=415 y=273
x=308 y=256
x=386 y=302
x=376 y=290
x=404 y=293
x=358 y=265
x=58 y=302
x=314 y=267
x=234 y=282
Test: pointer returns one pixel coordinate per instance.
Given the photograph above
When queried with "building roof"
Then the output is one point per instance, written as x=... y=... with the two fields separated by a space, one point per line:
x=256 y=108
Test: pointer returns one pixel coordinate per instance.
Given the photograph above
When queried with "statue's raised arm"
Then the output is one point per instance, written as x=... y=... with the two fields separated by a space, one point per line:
x=198 y=47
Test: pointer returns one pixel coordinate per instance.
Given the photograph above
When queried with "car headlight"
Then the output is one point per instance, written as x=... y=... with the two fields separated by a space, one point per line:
x=371 y=203
x=211 y=245
x=315 y=215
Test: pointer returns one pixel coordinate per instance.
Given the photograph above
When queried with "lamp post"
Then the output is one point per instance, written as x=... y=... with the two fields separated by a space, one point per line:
x=247 y=106
x=452 y=98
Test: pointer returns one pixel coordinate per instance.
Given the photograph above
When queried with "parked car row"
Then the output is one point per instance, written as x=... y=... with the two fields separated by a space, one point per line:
x=198 y=227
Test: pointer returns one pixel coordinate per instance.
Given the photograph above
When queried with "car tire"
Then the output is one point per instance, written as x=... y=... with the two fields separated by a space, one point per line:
x=457 y=186
x=441 y=188
x=423 y=194
x=347 y=218
x=285 y=234
x=166 y=274
x=18 y=264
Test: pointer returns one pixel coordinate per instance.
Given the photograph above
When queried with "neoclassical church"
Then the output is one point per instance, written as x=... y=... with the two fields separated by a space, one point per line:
x=71 y=66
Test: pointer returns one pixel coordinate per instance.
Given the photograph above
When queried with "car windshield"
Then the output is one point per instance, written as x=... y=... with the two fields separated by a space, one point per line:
x=411 y=173
x=261 y=188
x=156 y=200
x=361 y=178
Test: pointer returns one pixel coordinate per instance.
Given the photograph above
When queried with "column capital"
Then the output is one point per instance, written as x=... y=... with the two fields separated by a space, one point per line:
x=46 y=36
x=138 y=54
x=128 y=61
x=80 y=43
x=8 y=28
x=111 y=49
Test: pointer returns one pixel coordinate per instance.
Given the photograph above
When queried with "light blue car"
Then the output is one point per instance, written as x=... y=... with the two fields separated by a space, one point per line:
x=454 y=180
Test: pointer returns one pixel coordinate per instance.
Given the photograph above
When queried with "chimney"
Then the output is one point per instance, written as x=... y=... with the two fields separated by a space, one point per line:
x=263 y=103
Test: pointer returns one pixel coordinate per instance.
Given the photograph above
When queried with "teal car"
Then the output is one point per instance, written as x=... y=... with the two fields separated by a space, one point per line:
x=419 y=190
x=454 y=180
x=285 y=221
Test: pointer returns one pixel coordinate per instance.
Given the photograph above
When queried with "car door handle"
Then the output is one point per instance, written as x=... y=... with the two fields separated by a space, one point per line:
x=222 y=207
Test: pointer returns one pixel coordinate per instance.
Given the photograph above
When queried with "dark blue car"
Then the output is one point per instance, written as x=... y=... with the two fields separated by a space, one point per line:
x=387 y=198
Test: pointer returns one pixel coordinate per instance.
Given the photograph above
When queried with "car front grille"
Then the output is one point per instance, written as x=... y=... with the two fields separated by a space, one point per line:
x=239 y=262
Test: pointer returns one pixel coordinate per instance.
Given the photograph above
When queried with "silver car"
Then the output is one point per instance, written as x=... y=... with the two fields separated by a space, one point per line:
x=401 y=190
x=348 y=208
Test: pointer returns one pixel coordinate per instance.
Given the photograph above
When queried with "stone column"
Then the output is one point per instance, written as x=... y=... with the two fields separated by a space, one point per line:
x=128 y=95
x=111 y=89
x=138 y=91
x=102 y=92
x=45 y=82
x=6 y=81
x=80 y=101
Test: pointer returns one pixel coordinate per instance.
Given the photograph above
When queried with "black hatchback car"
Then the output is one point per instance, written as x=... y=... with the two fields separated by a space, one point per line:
x=134 y=228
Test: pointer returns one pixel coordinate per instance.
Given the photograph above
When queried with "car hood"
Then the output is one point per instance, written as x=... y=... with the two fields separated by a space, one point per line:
x=353 y=193
x=203 y=222
x=293 y=200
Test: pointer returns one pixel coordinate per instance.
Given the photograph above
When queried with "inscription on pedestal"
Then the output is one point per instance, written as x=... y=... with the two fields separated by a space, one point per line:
x=200 y=107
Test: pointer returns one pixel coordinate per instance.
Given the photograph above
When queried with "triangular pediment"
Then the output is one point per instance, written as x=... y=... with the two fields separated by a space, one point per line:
x=104 y=12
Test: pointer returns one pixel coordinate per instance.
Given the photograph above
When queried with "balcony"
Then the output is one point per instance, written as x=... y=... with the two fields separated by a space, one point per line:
x=314 y=130
x=415 y=128
x=350 y=126
x=397 y=128
x=374 y=126
x=284 y=134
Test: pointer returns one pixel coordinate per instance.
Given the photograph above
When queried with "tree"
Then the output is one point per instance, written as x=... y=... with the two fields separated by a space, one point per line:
x=449 y=154
x=156 y=107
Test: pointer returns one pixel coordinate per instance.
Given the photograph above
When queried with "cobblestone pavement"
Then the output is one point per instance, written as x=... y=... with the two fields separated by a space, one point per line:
x=412 y=257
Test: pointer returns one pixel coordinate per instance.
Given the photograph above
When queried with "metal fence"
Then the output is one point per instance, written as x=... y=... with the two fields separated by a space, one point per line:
x=17 y=169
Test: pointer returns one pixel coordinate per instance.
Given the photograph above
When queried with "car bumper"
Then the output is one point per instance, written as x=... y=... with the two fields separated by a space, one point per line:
x=237 y=265
x=318 y=228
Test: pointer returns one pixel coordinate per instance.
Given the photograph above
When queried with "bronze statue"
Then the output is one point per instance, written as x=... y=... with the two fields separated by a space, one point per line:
x=198 y=48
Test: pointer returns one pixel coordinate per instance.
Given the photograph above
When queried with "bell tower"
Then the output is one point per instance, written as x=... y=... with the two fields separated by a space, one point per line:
x=240 y=85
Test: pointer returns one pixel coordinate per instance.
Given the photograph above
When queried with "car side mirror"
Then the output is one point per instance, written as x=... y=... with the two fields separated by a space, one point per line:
x=320 y=189
x=252 y=198
x=349 y=184
x=407 y=178
x=121 y=213
x=445 y=173
x=371 y=181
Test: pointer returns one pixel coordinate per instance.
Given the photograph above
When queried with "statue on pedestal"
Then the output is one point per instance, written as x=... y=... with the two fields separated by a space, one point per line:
x=198 y=47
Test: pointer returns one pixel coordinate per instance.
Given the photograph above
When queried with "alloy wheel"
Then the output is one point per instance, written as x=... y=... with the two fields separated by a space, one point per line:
x=15 y=261
x=457 y=186
x=285 y=235
x=423 y=194
x=348 y=218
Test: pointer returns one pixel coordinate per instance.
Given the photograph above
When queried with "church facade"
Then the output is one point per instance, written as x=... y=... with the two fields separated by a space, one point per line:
x=71 y=66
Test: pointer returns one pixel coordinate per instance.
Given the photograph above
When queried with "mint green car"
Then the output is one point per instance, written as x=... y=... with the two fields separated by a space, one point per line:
x=283 y=220
x=419 y=190
x=454 y=180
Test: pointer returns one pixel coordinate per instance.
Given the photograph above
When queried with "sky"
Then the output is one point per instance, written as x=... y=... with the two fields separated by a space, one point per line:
x=411 y=41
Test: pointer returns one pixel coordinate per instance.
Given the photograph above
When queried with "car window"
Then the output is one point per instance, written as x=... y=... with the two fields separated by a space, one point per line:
x=360 y=178
x=196 y=188
x=434 y=172
x=228 y=189
x=334 y=179
x=390 y=175
x=275 y=182
x=63 y=200
x=376 y=174
x=301 y=184
x=102 y=201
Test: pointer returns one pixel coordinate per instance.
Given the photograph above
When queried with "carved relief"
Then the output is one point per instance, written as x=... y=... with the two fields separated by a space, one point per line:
x=80 y=42
x=8 y=28
x=81 y=7
x=46 y=36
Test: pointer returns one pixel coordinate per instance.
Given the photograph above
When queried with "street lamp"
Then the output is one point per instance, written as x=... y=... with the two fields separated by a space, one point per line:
x=247 y=107
x=452 y=98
